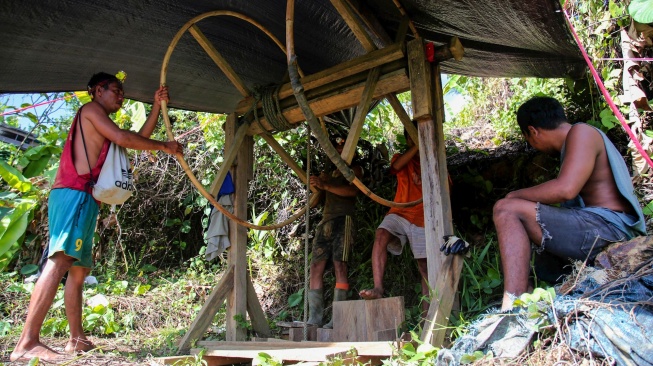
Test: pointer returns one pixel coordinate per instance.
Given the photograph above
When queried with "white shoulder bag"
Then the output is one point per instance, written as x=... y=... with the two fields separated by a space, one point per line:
x=115 y=184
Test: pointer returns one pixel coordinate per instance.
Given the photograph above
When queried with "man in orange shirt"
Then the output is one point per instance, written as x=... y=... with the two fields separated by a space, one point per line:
x=401 y=224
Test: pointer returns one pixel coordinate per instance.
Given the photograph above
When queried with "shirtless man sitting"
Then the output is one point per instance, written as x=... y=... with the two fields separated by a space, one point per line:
x=594 y=190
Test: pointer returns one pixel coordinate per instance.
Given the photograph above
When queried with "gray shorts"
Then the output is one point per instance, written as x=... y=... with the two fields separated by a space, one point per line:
x=574 y=233
x=405 y=231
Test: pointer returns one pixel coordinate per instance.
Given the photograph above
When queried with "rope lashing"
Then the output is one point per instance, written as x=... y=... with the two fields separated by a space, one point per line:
x=269 y=98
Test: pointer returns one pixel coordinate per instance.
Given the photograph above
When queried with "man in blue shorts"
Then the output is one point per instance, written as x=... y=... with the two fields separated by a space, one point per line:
x=72 y=211
x=597 y=205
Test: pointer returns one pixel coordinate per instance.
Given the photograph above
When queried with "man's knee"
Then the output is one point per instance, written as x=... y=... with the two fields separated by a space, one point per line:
x=506 y=207
x=382 y=237
x=77 y=275
x=62 y=261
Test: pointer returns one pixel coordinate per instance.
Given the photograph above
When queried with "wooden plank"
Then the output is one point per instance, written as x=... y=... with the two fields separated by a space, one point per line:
x=368 y=17
x=420 y=82
x=384 y=314
x=237 y=302
x=209 y=309
x=343 y=70
x=341 y=98
x=219 y=60
x=312 y=354
x=385 y=335
x=293 y=324
x=354 y=24
x=363 y=348
x=445 y=278
x=349 y=150
x=297 y=334
x=260 y=339
x=229 y=158
x=324 y=335
x=403 y=116
x=256 y=315
x=349 y=321
x=286 y=158
x=357 y=320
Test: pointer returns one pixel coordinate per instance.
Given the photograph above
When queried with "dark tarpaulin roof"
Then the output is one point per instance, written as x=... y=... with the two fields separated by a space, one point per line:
x=56 y=45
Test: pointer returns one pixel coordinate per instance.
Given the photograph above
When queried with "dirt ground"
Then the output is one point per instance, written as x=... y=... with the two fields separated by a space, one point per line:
x=109 y=352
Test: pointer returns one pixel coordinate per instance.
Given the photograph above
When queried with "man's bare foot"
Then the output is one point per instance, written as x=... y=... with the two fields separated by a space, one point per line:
x=371 y=294
x=43 y=352
x=77 y=345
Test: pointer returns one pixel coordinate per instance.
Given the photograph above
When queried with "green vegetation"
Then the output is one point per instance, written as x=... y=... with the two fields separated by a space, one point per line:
x=153 y=276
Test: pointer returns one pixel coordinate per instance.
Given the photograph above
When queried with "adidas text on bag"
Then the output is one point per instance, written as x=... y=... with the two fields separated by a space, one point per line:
x=115 y=184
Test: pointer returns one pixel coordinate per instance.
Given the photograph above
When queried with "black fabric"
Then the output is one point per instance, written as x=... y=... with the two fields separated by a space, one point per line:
x=56 y=45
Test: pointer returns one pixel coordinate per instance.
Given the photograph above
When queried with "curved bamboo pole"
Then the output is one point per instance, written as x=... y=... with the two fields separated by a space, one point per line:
x=321 y=136
x=166 y=119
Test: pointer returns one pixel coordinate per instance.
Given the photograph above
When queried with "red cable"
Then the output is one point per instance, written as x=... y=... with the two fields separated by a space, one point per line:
x=605 y=93
x=32 y=106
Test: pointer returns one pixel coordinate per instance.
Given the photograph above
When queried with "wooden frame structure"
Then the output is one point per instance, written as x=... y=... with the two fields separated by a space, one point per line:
x=381 y=73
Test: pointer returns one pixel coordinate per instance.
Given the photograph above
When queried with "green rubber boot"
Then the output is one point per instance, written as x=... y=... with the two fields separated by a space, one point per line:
x=315 y=307
x=338 y=295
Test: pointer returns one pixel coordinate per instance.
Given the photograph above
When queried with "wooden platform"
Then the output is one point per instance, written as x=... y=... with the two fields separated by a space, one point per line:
x=288 y=352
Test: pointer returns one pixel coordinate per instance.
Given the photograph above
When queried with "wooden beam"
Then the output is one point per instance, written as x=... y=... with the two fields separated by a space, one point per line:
x=286 y=158
x=402 y=30
x=256 y=315
x=209 y=309
x=229 y=158
x=357 y=65
x=420 y=79
x=403 y=117
x=219 y=60
x=354 y=24
x=362 y=348
x=349 y=150
x=242 y=173
x=443 y=271
x=445 y=282
x=338 y=97
x=368 y=17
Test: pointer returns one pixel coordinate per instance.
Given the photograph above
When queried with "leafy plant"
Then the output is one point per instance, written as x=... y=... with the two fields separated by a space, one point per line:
x=423 y=355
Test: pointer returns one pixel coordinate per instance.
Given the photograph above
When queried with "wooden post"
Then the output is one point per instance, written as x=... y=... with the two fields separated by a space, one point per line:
x=241 y=173
x=207 y=313
x=256 y=315
x=428 y=109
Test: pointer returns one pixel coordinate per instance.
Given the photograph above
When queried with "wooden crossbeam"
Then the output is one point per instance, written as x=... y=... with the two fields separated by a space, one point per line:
x=219 y=60
x=336 y=97
x=349 y=150
x=229 y=158
x=354 y=24
x=403 y=117
x=343 y=70
x=209 y=309
x=286 y=158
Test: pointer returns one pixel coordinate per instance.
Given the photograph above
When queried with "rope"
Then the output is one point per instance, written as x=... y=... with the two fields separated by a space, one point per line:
x=605 y=93
x=32 y=106
x=269 y=97
x=306 y=241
